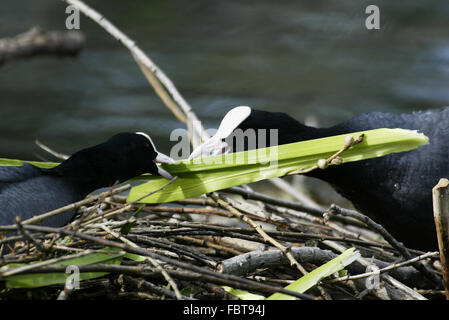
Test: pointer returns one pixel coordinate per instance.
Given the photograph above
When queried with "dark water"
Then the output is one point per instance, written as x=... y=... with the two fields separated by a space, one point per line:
x=312 y=59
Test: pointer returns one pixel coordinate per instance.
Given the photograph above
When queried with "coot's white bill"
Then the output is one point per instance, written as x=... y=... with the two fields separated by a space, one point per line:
x=214 y=146
x=162 y=158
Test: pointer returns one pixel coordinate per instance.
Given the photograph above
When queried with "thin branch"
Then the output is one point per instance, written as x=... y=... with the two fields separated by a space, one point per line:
x=51 y=151
x=146 y=62
x=441 y=216
x=37 y=42
x=388 y=268
x=334 y=209
x=151 y=260
x=75 y=205
x=233 y=281
x=262 y=233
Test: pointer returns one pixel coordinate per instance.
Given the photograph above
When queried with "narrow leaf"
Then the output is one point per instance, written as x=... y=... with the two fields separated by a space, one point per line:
x=34 y=280
x=311 y=279
x=224 y=171
x=243 y=295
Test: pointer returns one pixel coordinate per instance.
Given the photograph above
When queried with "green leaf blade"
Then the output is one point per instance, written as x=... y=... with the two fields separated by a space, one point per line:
x=311 y=279
x=221 y=172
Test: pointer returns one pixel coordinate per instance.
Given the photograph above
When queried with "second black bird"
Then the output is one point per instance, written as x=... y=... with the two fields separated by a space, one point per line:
x=395 y=190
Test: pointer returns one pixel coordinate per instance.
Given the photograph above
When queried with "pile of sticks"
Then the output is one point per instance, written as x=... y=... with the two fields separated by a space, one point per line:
x=192 y=248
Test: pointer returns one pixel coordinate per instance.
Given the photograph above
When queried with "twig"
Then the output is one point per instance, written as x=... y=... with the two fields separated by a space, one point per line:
x=145 y=61
x=405 y=291
x=141 y=284
x=160 y=91
x=207 y=243
x=263 y=234
x=293 y=236
x=51 y=151
x=248 y=262
x=441 y=215
x=233 y=281
x=74 y=205
x=390 y=267
x=286 y=187
x=151 y=260
x=334 y=159
x=28 y=236
x=11 y=272
x=36 y=42
x=334 y=209
x=129 y=205
x=177 y=248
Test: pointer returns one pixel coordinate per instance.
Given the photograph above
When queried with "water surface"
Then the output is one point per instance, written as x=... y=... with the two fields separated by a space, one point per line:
x=312 y=59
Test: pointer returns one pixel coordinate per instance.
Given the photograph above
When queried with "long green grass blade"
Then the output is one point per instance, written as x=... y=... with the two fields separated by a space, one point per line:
x=242 y=294
x=34 y=280
x=311 y=279
x=224 y=171
x=15 y=162
x=205 y=175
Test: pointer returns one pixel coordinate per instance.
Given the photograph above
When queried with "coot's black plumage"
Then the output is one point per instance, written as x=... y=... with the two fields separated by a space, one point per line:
x=26 y=191
x=395 y=190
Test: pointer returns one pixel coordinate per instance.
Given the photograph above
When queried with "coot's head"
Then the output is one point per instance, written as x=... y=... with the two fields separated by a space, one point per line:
x=284 y=128
x=120 y=158
x=138 y=154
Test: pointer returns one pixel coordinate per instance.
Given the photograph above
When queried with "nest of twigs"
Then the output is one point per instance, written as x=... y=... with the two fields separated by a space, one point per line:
x=197 y=248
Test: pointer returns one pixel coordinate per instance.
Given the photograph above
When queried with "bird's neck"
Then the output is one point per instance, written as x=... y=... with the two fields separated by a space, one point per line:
x=301 y=132
x=87 y=170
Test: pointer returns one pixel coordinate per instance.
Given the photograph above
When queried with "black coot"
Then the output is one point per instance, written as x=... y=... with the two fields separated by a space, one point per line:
x=395 y=190
x=26 y=191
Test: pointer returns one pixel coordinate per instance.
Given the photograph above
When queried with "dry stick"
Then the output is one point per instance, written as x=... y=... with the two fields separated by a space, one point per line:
x=334 y=159
x=141 y=284
x=152 y=261
x=37 y=42
x=263 y=234
x=403 y=288
x=178 y=249
x=296 y=194
x=252 y=195
x=197 y=201
x=180 y=210
x=390 y=267
x=334 y=209
x=146 y=62
x=441 y=215
x=51 y=151
x=75 y=205
x=249 y=262
x=130 y=204
x=28 y=267
x=284 y=234
x=160 y=91
x=29 y=237
x=140 y=271
x=207 y=243
x=232 y=280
